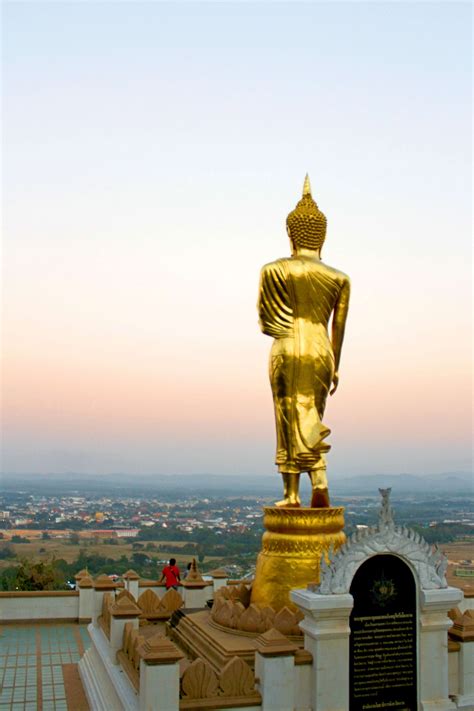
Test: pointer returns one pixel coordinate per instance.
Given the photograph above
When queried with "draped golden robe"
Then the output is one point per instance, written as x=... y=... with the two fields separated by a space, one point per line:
x=296 y=299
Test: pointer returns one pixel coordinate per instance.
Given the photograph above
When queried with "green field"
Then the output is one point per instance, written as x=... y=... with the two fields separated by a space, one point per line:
x=44 y=550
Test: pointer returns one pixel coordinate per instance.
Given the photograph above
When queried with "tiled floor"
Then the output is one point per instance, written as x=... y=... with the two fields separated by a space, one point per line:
x=31 y=659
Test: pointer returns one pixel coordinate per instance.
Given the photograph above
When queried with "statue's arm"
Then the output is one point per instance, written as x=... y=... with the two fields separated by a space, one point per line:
x=338 y=327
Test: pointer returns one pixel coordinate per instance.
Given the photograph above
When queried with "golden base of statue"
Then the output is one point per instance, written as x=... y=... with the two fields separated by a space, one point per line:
x=293 y=544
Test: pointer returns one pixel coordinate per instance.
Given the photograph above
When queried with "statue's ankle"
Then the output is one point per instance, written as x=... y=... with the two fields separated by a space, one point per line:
x=318 y=478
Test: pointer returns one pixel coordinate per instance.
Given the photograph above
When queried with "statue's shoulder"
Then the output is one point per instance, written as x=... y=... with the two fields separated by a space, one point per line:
x=341 y=277
x=279 y=265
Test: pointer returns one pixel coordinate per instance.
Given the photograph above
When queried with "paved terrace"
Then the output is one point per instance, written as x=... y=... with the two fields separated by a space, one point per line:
x=38 y=667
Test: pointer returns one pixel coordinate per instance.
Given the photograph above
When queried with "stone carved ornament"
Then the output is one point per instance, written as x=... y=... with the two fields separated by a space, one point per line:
x=232 y=609
x=200 y=681
x=428 y=562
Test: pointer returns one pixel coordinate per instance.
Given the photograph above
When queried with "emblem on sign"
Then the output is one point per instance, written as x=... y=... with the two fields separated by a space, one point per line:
x=383 y=591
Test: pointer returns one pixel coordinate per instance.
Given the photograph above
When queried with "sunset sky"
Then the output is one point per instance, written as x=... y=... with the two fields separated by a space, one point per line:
x=151 y=154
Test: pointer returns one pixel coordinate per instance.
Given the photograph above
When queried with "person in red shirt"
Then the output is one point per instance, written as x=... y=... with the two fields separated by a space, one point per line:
x=170 y=574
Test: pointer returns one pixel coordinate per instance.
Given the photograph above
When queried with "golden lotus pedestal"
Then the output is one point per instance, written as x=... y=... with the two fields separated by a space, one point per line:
x=293 y=544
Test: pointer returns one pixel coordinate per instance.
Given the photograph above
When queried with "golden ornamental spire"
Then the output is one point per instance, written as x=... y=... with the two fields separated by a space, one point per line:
x=306 y=186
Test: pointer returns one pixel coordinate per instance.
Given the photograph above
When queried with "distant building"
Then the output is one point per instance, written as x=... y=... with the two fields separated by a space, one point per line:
x=109 y=533
x=465 y=572
x=127 y=532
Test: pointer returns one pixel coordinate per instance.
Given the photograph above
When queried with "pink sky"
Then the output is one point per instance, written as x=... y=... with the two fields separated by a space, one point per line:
x=148 y=175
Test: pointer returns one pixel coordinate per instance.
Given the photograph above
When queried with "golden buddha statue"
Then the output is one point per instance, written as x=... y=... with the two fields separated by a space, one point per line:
x=297 y=297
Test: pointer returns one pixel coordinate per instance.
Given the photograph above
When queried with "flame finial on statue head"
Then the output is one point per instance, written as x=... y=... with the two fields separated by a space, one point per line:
x=306 y=186
x=306 y=224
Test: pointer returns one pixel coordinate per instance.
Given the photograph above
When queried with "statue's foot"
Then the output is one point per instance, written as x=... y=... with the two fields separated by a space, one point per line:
x=289 y=503
x=320 y=499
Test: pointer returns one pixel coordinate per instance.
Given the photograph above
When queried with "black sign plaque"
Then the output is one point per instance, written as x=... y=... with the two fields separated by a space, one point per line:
x=383 y=641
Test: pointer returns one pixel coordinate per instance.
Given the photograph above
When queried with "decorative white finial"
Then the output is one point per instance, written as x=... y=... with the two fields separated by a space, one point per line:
x=386 y=511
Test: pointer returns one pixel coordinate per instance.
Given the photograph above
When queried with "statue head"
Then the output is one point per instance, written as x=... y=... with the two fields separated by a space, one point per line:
x=306 y=224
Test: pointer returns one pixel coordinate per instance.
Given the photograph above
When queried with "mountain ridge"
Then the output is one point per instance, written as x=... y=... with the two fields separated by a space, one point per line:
x=364 y=483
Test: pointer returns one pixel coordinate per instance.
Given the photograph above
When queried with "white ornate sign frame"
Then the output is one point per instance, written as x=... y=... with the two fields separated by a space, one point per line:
x=327 y=608
x=427 y=561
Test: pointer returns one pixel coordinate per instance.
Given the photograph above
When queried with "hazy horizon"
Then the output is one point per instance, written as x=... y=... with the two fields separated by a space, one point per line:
x=467 y=474
x=212 y=485
x=151 y=154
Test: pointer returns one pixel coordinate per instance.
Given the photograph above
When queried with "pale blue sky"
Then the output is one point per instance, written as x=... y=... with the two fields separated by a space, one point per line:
x=151 y=154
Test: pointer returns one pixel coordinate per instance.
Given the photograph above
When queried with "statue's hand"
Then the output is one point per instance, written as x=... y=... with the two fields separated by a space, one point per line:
x=335 y=383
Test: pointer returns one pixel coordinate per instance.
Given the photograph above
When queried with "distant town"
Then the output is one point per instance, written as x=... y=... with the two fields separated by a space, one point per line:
x=62 y=514
x=111 y=532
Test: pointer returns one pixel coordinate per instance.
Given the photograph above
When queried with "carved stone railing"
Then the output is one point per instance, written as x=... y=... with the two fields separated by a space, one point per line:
x=128 y=656
x=461 y=657
x=463 y=625
x=201 y=687
x=125 y=594
x=108 y=600
x=155 y=609
x=232 y=609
